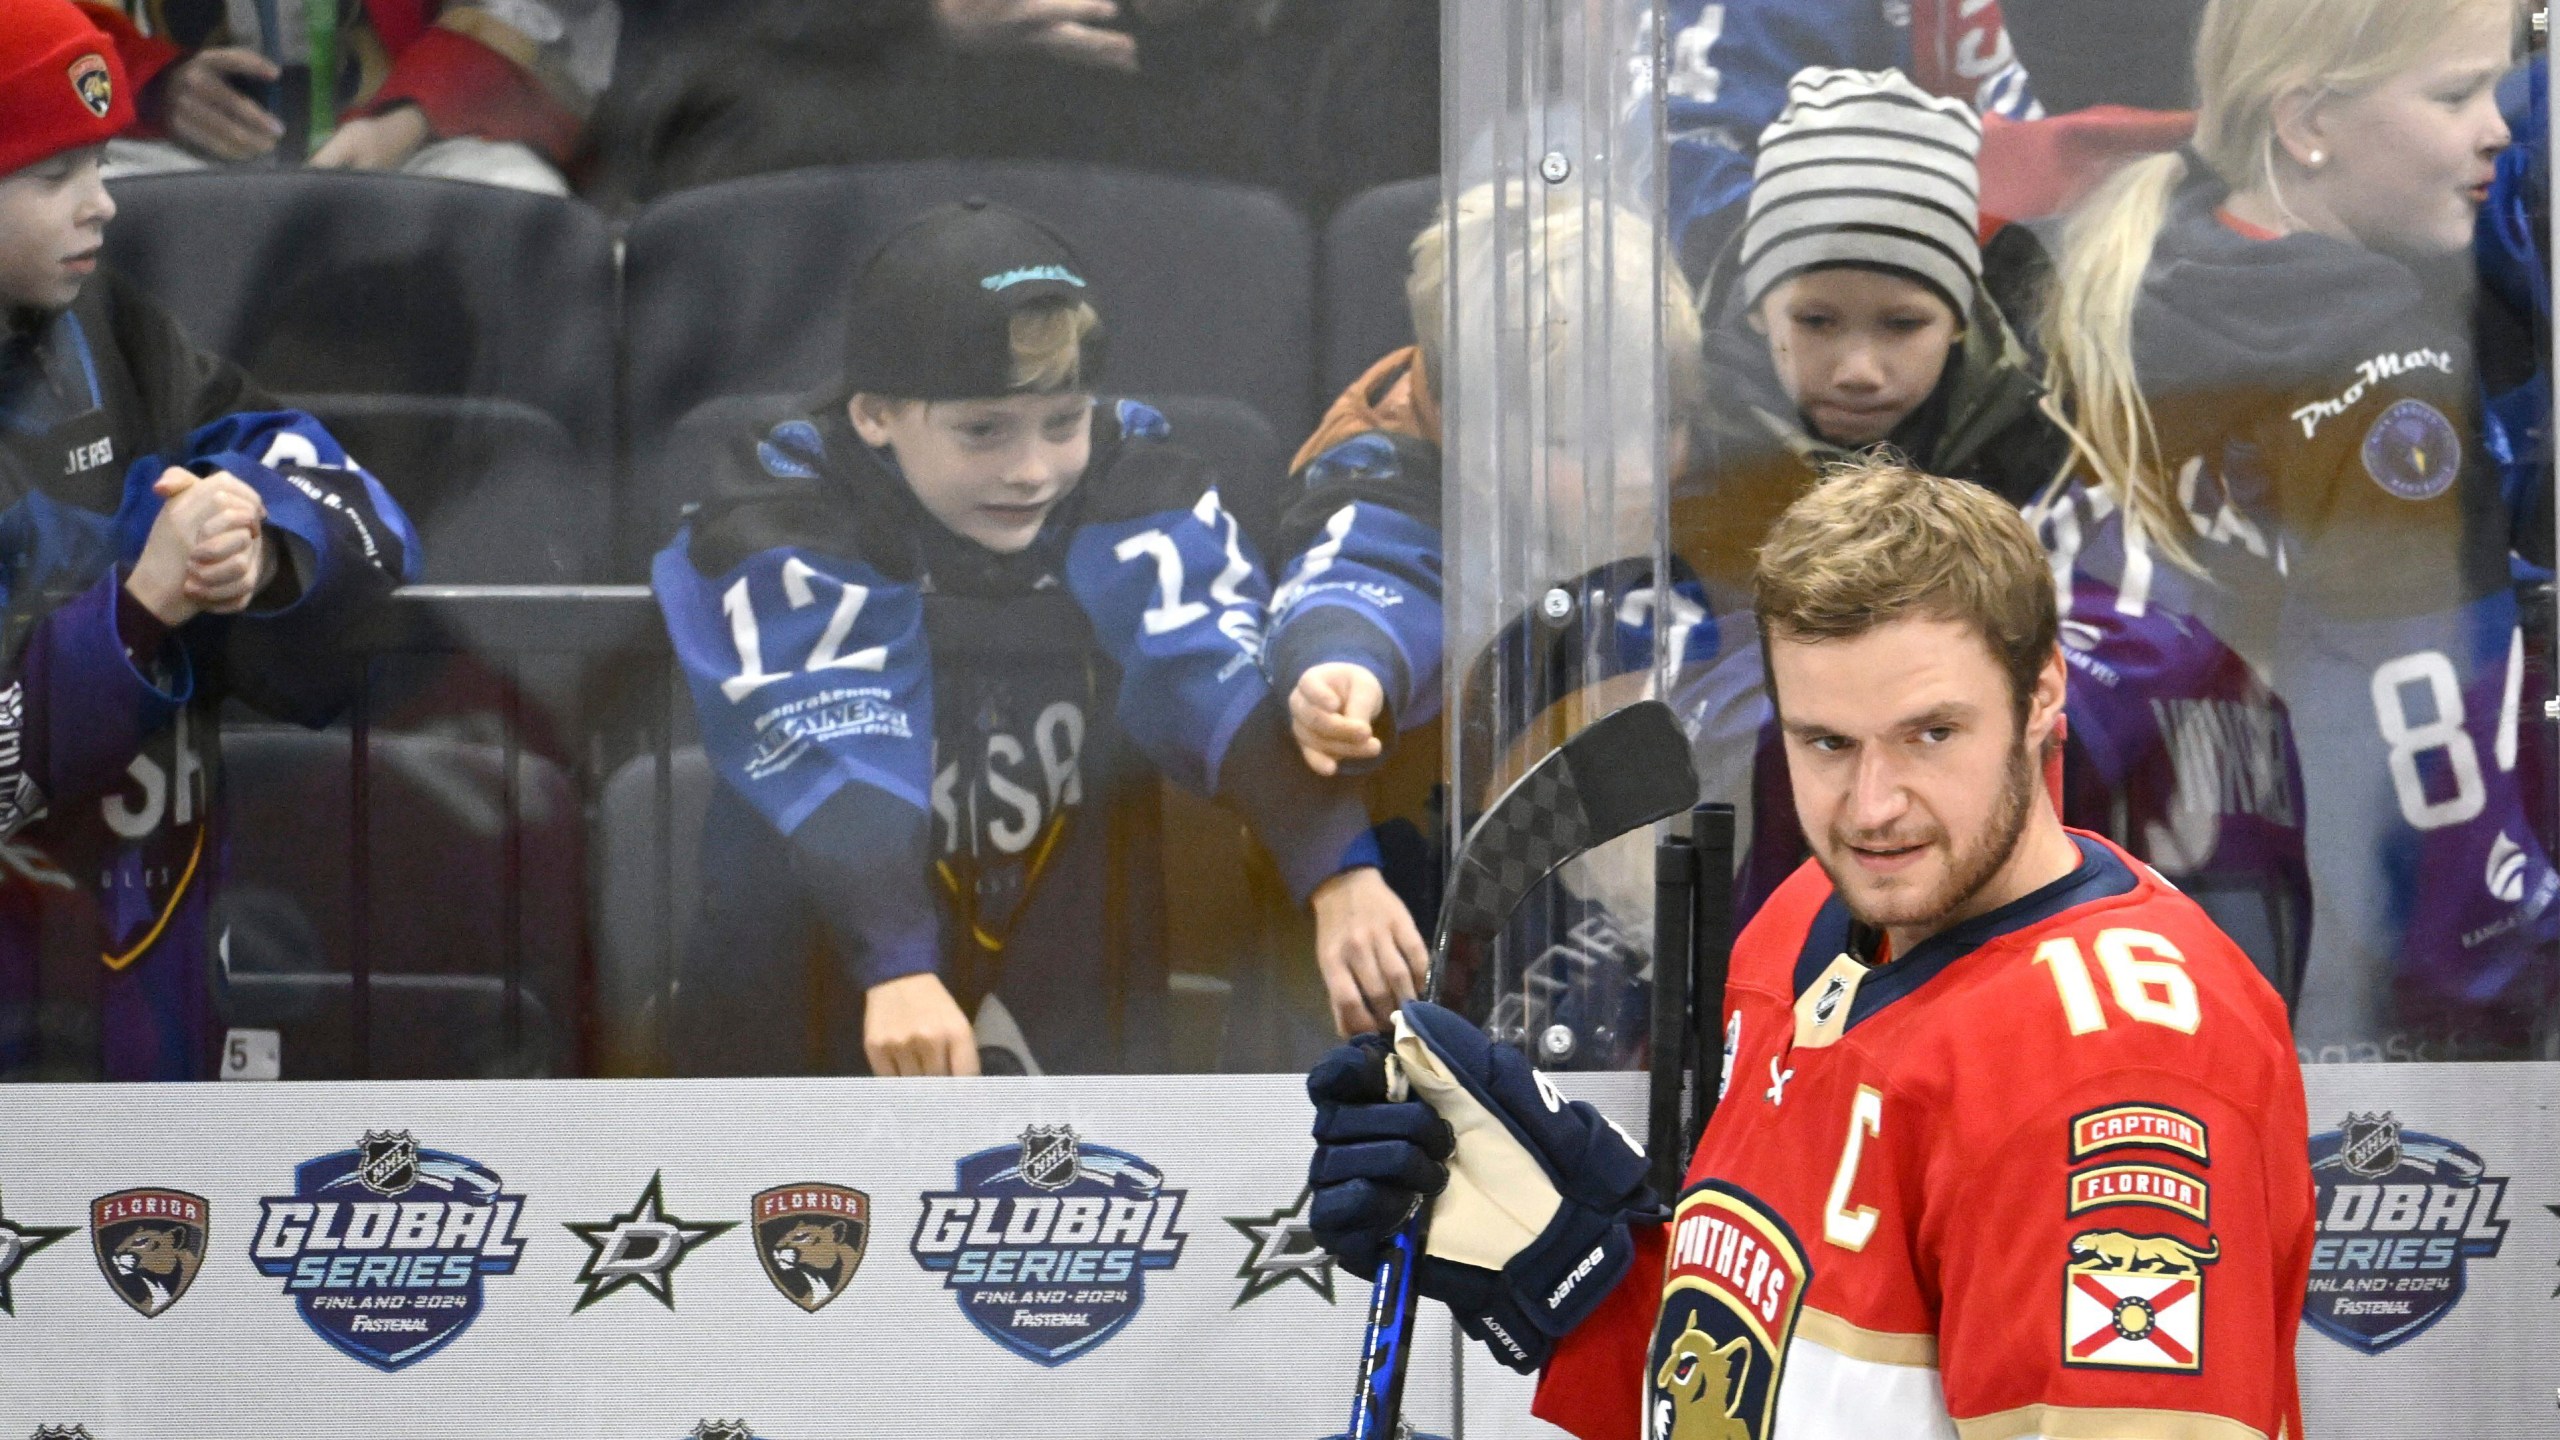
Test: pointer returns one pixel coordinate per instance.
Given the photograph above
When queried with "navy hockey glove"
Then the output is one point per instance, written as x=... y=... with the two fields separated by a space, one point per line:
x=1534 y=1196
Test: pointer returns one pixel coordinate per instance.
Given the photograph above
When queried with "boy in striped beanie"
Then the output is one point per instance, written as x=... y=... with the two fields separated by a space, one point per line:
x=1858 y=257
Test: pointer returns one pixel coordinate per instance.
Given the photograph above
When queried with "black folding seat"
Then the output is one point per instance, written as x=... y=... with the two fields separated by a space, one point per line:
x=458 y=338
x=1367 y=252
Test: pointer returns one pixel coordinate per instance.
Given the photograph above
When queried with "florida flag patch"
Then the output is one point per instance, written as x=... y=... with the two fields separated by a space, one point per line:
x=2134 y=1302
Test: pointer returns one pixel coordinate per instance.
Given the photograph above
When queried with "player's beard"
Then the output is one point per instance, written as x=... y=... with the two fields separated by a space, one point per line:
x=1970 y=866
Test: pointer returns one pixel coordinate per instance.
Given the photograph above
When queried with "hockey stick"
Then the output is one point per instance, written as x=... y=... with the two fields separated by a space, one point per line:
x=1692 y=939
x=1627 y=769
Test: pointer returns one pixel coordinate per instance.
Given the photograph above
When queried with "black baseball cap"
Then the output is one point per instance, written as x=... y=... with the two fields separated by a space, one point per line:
x=933 y=307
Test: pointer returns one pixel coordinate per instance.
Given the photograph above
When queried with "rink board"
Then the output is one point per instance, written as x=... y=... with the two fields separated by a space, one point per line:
x=1208 y=1343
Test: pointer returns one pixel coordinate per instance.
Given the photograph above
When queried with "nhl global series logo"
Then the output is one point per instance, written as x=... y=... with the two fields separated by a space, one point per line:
x=1048 y=1241
x=2401 y=1216
x=385 y=1248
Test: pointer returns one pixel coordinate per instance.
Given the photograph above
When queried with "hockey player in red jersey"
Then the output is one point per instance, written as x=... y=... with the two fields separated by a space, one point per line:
x=2012 y=1141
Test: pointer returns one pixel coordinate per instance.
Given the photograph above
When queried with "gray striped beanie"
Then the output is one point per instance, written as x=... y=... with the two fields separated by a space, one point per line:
x=1865 y=168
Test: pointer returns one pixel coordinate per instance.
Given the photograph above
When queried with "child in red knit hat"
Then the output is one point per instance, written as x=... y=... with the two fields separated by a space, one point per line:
x=168 y=538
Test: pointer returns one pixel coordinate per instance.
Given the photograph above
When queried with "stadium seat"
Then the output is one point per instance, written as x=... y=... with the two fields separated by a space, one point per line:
x=739 y=288
x=436 y=940
x=462 y=333
x=643 y=911
x=1366 y=253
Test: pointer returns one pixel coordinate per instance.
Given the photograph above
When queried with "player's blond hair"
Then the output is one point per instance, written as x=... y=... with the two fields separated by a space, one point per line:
x=1048 y=346
x=1556 y=240
x=2249 y=55
x=1876 y=541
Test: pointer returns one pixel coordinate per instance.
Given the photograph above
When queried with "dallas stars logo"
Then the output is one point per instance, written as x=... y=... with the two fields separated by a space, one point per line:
x=17 y=1242
x=640 y=1247
x=1284 y=1249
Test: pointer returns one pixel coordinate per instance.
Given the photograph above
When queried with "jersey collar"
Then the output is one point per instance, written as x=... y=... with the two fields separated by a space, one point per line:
x=2099 y=876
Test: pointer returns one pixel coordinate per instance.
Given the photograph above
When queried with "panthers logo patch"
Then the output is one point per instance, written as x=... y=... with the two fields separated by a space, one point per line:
x=1730 y=1296
x=94 y=83
x=811 y=1238
x=149 y=1244
x=2413 y=451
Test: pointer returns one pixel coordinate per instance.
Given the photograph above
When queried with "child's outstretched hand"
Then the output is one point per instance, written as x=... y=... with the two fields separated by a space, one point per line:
x=1368 y=951
x=1332 y=715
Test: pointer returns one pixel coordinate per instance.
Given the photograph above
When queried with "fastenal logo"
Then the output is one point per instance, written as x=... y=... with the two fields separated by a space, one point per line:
x=2402 y=1215
x=1284 y=1249
x=150 y=1245
x=17 y=1244
x=1048 y=1241
x=385 y=1248
x=641 y=1246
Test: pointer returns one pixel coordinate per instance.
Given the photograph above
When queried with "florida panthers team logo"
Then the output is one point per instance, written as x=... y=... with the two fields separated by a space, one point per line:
x=1730 y=1295
x=149 y=1244
x=1048 y=1241
x=811 y=1238
x=94 y=83
x=2401 y=1216
x=386 y=1248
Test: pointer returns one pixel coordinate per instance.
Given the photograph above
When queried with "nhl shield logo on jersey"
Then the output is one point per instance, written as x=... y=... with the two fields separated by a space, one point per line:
x=1730 y=1295
x=94 y=83
x=2401 y=1215
x=2134 y=1302
x=811 y=1238
x=150 y=1245
x=386 y=1248
x=1048 y=1241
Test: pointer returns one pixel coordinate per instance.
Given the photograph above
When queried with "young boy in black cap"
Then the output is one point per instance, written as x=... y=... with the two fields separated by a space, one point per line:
x=942 y=632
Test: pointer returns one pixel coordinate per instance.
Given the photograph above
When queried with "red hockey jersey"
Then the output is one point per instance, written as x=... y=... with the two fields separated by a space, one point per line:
x=2047 y=1175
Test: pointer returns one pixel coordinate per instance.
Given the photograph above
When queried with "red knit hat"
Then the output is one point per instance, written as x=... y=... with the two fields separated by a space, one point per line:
x=61 y=86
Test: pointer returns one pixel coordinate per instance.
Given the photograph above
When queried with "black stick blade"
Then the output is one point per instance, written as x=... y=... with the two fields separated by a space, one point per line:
x=1630 y=768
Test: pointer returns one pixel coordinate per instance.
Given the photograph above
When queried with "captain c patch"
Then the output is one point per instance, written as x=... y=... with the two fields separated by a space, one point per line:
x=2150 y=1127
